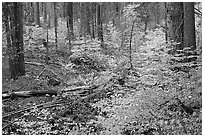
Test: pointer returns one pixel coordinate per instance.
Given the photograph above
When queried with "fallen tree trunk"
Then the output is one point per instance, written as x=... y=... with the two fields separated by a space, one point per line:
x=50 y=92
x=29 y=93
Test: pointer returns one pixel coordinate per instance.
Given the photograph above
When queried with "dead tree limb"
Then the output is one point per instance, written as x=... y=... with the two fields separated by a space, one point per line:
x=37 y=76
x=45 y=105
x=88 y=97
x=35 y=63
x=10 y=123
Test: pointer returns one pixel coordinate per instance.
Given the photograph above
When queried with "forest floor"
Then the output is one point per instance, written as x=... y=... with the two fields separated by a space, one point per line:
x=149 y=102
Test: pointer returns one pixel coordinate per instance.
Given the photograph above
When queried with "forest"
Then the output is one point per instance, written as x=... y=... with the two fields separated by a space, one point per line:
x=101 y=68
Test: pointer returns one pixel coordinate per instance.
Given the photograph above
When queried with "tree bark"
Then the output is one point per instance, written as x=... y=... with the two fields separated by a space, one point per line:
x=37 y=14
x=177 y=20
x=55 y=22
x=45 y=13
x=64 y=10
x=165 y=19
x=32 y=12
x=189 y=29
x=14 y=28
x=82 y=20
x=132 y=30
x=49 y=6
x=99 y=24
x=70 y=18
x=88 y=19
x=93 y=10
x=189 y=25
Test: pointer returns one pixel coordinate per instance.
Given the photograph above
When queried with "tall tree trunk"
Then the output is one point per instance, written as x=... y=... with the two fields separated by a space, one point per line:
x=132 y=30
x=70 y=18
x=189 y=25
x=64 y=10
x=49 y=5
x=37 y=14
x=32 y=12
x=27 y=13
x=45 y=13
x=165 y=20
x=117 y=6
x=82 y=20
x=41 y=8
x=146 y=23
x=99 y=24
x=55 y=24
x=88 y=19
x=189 y=28
x=69 y=7
x=14 y=29
x=157 y=12
x=177 y=25
x=93 y=10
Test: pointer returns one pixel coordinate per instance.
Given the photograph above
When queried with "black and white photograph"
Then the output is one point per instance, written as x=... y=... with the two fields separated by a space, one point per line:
x=101 y=68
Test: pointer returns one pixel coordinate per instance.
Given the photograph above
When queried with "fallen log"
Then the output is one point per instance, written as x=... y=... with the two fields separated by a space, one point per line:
x=30 y=93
